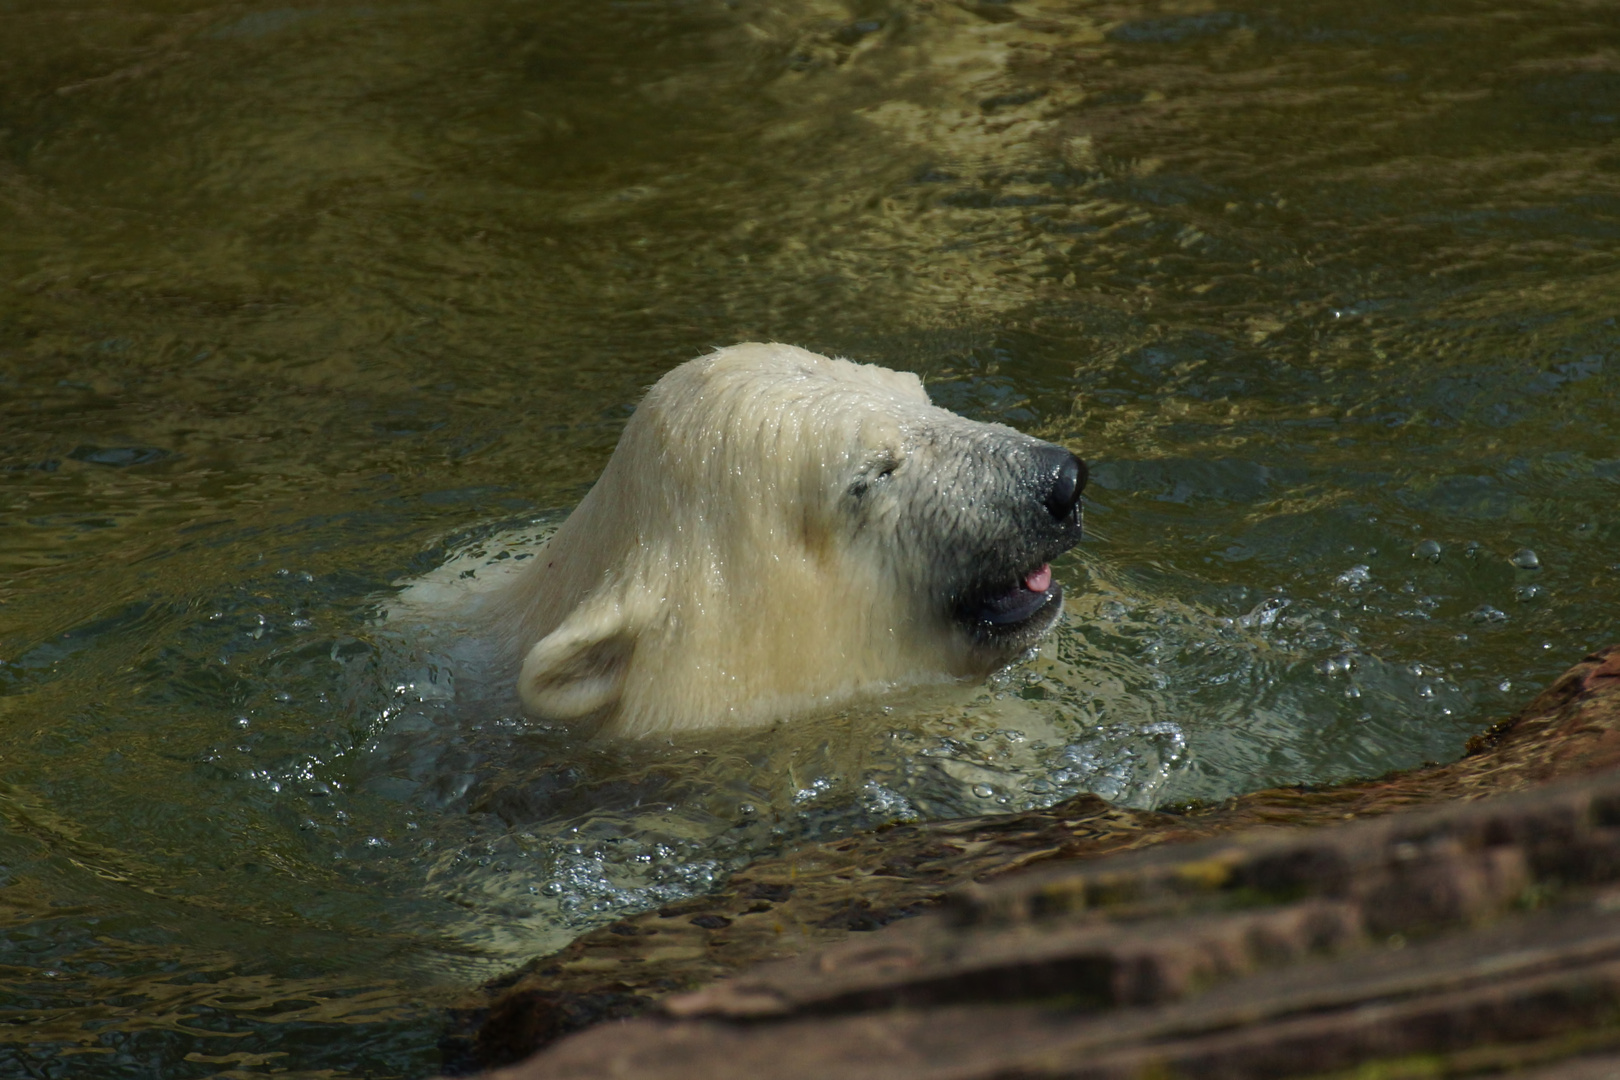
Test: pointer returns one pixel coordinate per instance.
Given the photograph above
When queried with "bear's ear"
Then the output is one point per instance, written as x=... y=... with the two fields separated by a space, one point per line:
x=580 y=667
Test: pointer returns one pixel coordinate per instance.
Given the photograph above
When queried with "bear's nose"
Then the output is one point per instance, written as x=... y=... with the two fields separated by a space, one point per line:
x=1068 y=475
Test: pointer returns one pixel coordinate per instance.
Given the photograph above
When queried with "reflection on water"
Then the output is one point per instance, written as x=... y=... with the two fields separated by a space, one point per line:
x=300 y=301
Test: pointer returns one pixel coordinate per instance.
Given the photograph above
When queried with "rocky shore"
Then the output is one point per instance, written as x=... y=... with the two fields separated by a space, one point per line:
x=1456 y=920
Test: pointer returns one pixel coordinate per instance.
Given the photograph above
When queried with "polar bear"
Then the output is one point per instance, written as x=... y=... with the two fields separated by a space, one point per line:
x=778 y=532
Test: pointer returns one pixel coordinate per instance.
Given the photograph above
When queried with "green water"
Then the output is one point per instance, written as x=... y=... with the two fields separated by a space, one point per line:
x=297 y=302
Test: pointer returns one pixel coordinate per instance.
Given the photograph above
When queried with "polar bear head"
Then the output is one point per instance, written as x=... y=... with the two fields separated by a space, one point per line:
x=778 y=532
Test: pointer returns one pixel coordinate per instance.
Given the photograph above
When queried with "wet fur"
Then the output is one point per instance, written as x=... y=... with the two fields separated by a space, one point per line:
x=777 y=532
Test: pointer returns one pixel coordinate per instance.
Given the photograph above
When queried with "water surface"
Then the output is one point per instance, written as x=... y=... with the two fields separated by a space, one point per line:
x=299 y=302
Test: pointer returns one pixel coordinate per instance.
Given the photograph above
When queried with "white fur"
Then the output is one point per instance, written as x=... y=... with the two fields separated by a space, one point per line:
x=714 y=577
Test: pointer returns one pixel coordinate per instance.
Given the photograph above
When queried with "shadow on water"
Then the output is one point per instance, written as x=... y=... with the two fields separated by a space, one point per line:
x=299 y=303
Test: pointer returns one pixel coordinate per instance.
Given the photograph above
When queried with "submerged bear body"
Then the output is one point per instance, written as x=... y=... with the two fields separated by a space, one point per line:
x=778 y=532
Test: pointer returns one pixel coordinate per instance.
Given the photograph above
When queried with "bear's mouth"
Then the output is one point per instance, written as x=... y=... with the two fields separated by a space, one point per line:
x=1014 y=614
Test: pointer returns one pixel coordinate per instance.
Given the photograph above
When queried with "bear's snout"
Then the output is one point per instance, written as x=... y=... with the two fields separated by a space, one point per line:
x=1066 y=475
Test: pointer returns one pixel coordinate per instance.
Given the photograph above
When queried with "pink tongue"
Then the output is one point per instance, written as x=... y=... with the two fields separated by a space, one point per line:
x=1039 y=580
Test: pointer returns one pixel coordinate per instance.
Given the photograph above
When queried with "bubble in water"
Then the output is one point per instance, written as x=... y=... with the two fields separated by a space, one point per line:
x=1428 y=549
x=818 y=787
x=1525 y=559
x=890 y=805
x=1355 y=577
x=1341 y=664
x=1171 y=735
x=1505 y=685
x=1486 y=613
x=1265 y=613
x=1527 y=592
x=983 y=791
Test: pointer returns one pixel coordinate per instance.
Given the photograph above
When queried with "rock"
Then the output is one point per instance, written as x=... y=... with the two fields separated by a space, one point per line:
x=1360 y=942
x=1543 y=986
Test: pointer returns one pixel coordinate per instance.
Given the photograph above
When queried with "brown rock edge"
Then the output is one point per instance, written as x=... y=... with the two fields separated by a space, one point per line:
x=1472 y=928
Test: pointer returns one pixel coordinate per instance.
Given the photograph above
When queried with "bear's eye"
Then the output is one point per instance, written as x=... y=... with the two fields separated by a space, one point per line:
x=877 y=470
x=875 y=473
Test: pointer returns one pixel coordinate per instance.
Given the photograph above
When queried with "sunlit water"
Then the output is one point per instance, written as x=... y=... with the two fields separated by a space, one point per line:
x=300 y=303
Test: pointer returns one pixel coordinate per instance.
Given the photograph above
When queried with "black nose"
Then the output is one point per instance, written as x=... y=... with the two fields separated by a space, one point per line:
x=1068 y=480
